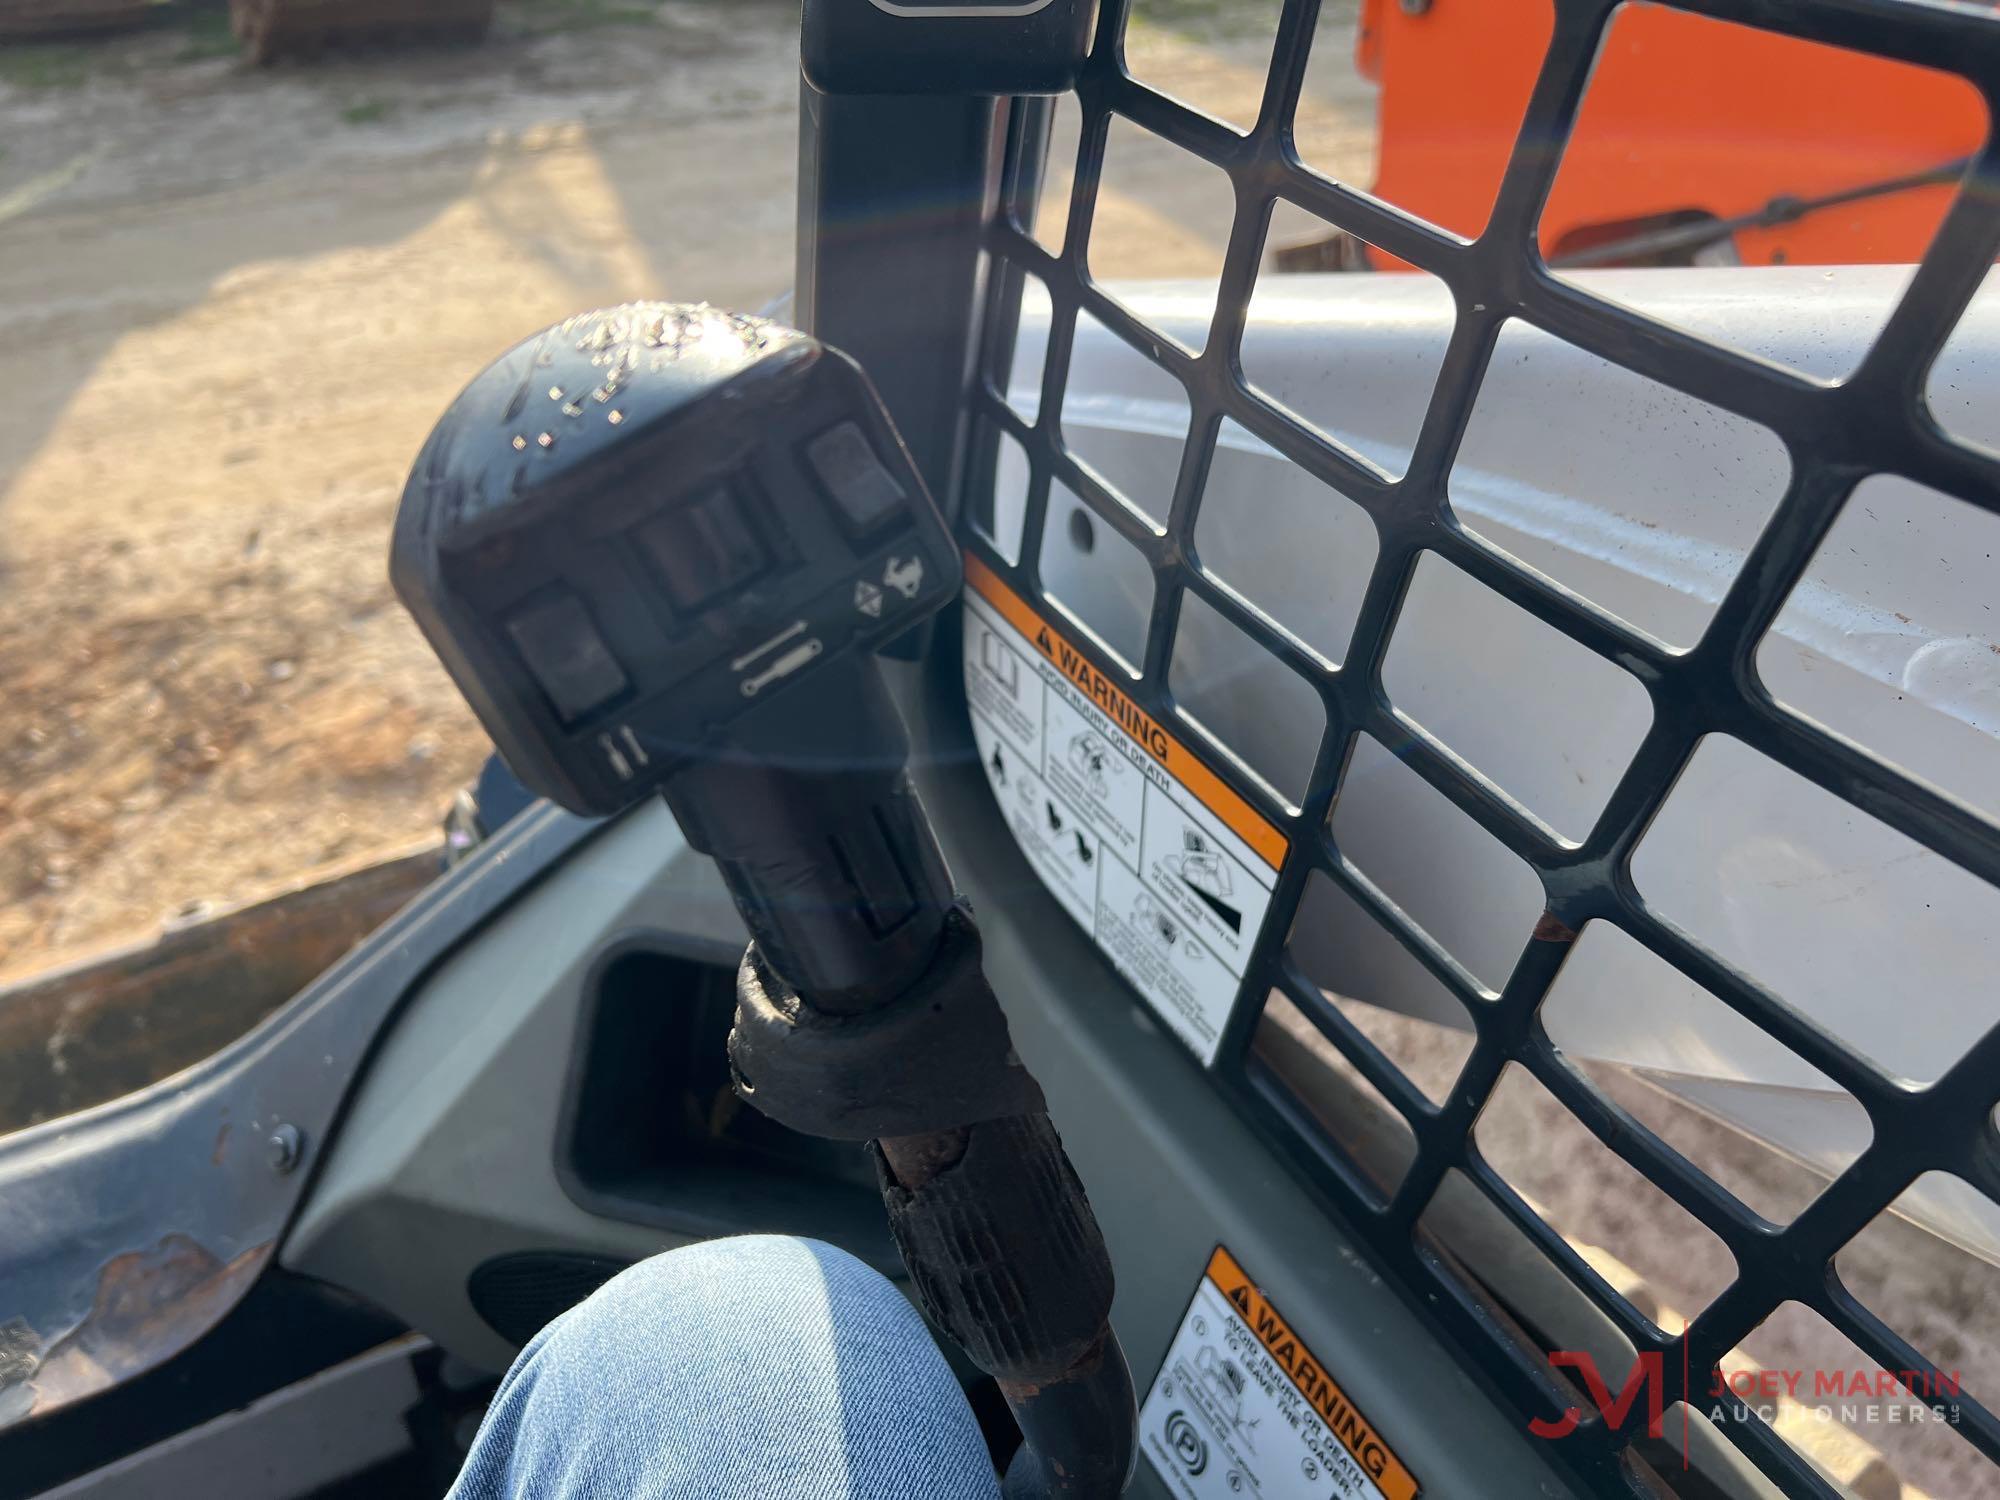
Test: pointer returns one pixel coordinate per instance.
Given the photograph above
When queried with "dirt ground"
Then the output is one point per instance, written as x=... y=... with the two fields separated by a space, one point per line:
x=231 y=304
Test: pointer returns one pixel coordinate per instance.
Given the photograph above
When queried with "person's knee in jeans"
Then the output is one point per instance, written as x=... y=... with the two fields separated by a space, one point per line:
x=761 y=1366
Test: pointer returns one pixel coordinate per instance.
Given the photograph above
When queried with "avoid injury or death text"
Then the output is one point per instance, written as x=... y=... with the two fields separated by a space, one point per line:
x=1241 y=1408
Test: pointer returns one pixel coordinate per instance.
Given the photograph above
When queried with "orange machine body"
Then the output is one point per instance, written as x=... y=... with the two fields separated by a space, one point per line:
x=1684 y=116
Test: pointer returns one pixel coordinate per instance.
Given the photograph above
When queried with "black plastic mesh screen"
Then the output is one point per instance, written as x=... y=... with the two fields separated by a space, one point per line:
x=1421 y=1186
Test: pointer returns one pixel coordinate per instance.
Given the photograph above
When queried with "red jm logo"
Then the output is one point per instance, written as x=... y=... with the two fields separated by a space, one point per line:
x=1648 y=1375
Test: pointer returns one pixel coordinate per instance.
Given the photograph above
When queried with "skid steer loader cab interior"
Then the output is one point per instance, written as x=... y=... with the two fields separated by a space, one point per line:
x=1476 y=784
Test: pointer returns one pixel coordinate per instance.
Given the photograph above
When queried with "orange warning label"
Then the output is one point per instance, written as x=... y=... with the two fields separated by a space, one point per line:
x=1320 y=1390
x=1170 y=872
x=1179 y=762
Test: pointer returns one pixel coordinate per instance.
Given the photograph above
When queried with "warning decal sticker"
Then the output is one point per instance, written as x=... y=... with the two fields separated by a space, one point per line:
x=1241 y=1407
x=1167 y=868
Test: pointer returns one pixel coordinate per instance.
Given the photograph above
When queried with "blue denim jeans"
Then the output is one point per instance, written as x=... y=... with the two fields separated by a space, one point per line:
x=753 y=1368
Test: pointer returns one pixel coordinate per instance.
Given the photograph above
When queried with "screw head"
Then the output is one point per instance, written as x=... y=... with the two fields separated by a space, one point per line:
x=284 y=1146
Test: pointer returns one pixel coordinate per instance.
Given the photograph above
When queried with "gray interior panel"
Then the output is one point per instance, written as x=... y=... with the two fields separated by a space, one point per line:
x=296 y=1441
x=447 y=1157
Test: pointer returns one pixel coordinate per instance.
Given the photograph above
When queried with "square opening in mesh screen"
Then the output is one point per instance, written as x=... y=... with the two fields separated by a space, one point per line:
x=1379 y=986
x=1534 y=1303
x=1355 y=357
x=1797 y=1372
x=1692 y=125
x=1420 y=104
x=1652 y=1251
x=1472 y=895
x=1096 y=577
x=1050 y=222
x=1876 y=939
x=1125 y=419
x=1367 y=1133
x=1737 y=1103
x=1246 y=700
x=1929 y=1267
x=1645 y=502
x=1294 y=549
x=1547 y=720
x=999 y=516
x=1213 y=57
x=1892 y=637
x=1967 y=371
x=1022 y=389
x=1159 y=230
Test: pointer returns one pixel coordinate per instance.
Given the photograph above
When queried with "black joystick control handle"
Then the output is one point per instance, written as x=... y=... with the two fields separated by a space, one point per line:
x=657 y=547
